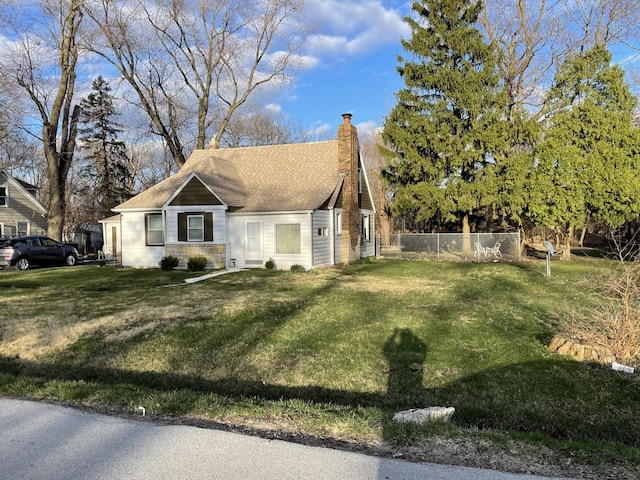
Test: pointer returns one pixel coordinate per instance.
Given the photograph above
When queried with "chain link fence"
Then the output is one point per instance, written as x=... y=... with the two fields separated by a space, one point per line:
x=451 y=247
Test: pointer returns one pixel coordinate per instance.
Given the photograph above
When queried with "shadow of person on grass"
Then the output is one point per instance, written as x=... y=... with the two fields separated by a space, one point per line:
x=406 y=355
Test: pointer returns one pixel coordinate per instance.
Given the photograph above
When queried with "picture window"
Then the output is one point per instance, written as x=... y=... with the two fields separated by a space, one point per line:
x=288 y=238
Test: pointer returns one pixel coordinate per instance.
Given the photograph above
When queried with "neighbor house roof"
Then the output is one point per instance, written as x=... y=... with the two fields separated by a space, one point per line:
x=27 y=189
x=290 y=177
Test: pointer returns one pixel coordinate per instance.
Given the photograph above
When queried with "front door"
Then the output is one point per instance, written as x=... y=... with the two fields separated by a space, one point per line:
x=253 y=244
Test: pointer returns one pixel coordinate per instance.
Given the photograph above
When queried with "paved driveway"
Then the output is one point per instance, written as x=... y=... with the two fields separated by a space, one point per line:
x=43 y=441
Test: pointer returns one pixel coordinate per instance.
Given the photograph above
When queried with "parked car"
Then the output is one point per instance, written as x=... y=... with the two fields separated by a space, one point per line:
x=22 y=252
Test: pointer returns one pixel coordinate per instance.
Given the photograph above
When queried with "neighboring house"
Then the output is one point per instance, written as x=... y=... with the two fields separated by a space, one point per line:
x=21 y=213
x=307 y=204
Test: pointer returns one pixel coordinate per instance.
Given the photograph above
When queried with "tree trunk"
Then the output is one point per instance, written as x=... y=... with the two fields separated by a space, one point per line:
x=584 y=231
x=566 y=253
x=57 y=199
x=58 y=165
x=466 y=237
x=571 y=233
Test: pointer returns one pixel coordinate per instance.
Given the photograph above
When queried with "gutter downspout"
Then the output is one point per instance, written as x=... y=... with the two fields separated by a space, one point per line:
x=332 y=237
x=312 y=242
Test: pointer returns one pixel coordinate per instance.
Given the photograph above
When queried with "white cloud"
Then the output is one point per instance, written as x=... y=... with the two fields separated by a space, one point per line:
x=366 y=127
x=353 y=27
x=307 y=61
x=321 y=131
x=273 y=108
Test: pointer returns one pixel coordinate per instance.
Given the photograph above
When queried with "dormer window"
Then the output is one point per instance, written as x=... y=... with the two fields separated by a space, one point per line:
x=4 y=196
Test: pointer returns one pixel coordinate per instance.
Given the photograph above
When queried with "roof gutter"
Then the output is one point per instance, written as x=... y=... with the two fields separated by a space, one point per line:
x=148 y=209
x=281 y=212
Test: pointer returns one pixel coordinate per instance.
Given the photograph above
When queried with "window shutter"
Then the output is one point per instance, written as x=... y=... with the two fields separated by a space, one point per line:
x=208 y=227
x=182 y=227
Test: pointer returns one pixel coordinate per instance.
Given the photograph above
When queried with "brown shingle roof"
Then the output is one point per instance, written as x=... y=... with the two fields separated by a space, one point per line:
x=256 y=179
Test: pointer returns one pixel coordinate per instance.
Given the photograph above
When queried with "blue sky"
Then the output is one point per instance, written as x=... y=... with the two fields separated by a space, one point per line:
x=351 y=64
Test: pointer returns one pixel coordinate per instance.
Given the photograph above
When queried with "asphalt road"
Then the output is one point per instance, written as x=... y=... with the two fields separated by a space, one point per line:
x=41 y=441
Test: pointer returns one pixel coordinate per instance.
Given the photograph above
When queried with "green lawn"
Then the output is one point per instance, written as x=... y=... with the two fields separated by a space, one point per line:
x=331 y=354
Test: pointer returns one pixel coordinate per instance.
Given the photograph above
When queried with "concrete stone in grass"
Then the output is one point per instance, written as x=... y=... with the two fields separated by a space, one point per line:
x=424 y=415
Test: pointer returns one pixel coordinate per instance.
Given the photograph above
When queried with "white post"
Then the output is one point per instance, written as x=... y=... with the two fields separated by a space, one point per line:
x=548 y=264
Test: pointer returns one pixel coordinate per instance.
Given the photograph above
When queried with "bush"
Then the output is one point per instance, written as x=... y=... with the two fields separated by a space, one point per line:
x=297 y=268
x=364 y=261
x=613 y=321
x=169 y=262
x=270 y=265
x=196 y=264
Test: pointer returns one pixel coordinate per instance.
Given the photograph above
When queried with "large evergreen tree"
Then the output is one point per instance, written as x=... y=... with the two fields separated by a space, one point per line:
x=107 y=169
x=447 y=136
x=588 y=164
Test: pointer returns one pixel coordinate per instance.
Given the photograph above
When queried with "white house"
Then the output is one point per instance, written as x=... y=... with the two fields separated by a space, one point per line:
x=307 y=204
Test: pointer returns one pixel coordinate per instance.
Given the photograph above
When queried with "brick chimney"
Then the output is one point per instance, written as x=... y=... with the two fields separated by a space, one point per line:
x=348 y=167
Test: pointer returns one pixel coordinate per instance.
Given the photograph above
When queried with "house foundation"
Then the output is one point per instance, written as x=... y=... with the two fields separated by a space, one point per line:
x=215 y=253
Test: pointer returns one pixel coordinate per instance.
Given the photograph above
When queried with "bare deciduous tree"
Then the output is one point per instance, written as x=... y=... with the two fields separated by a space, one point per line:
x=197 y=59
x=535 y=37
x=43 y=61
x=256 y=129
x=18 y=151
x=522 y=30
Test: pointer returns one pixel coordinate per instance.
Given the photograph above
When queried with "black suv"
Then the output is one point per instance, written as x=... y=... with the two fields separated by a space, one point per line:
x=22 y=252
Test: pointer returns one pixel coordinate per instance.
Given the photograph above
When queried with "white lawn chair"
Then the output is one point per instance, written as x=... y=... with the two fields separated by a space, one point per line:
x=479 y=250
x=495 y=250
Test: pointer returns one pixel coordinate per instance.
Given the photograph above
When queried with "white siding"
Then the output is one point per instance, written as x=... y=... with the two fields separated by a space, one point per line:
x=321 y=243
x=134 y=252
x=315 y=250
x=368 y=248
x=237 y=238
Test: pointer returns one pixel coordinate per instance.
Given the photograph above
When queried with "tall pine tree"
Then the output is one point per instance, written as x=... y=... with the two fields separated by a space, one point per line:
x=446 y=137
x=107 y=168
x=588 y=164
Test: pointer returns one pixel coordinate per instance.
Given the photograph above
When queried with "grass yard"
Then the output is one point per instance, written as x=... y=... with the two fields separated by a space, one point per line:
x=328 y=357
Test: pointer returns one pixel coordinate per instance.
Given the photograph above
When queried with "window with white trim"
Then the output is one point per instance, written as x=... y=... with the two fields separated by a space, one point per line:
x=365 y=224
x=195 y=228
x=22 y=228
x=288 y=238
x=339 y=223
x=155 y=229
x=4 y=196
